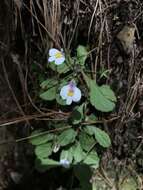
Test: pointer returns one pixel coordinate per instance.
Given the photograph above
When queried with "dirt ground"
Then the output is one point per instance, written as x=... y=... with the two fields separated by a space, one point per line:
x=27 y=30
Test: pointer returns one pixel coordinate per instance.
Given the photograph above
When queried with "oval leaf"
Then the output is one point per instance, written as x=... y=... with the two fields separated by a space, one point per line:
x=67 y=137
x=49 y=83
x=90 y=130
x=102 y=137
x=86 y=141
x=44 y=150
x=79 y=155
x=49 y=162
x=92 y=159
x=40 y=139
x=82 y=54
x=108 y=93
x=49 y=95
x=101 y=97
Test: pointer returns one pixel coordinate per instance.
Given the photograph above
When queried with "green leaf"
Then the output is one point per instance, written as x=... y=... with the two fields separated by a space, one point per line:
x=82 y=54
x=41 y=139
x=77 y=114
x=61 y=69
x=86 y=141
x=78 y=153
x=49 y=83
x=44 y=164
x=62 y=124
x=67 y=154
x=49 y=162
x=67 y=137
x=60 y=100
x=44 y=150
x=108 y=93
x=91 y=117
x=89 y=130
x=102 y=98
x=102 y=137
x=58 y=97
x=92 y=159
x=49 y=95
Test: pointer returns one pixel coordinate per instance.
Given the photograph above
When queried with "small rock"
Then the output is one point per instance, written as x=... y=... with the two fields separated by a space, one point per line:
x=119 y=59
x=16 y=177
x=126 y=37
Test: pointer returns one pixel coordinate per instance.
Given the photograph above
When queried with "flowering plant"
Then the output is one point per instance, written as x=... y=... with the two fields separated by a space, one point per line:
x=73 y=90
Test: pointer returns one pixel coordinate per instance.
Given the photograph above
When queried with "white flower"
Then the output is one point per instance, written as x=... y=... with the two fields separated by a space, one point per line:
x=65 y=163
x=70 y=93
x=56 y=56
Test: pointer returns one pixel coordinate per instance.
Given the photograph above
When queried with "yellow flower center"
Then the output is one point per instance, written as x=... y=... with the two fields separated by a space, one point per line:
x=58 y=55
x=70 y=93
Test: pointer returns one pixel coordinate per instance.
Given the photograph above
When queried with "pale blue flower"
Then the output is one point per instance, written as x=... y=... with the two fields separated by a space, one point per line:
x=65 y=163
x=70 y=93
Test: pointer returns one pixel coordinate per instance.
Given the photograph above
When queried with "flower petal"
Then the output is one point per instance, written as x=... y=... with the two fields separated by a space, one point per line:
x=69 y=100
x=51 y=59
x=77 y=94
x=59 y=61
x=53 y=51
x=64 y=92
